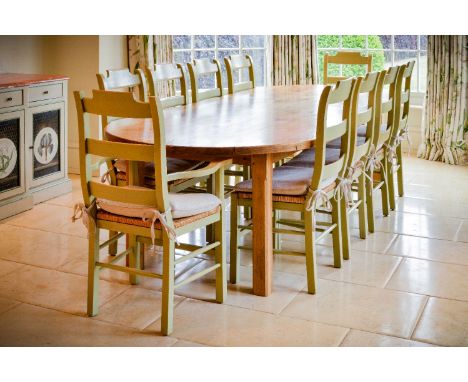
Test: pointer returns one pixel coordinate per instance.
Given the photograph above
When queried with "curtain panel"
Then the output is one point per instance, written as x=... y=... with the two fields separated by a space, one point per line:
x=294 y=60
x=144 y=51
x=445 y=117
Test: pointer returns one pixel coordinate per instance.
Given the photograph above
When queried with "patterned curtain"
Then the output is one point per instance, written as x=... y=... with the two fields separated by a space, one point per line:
x=294 y=60
x=146 y=50
x=446 y=111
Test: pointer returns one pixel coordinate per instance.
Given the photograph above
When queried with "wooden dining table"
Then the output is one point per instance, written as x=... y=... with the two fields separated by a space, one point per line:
x=256 y=127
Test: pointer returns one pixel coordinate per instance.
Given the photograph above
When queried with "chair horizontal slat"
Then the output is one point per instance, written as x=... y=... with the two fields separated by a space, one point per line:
x=335 y=131
x=116 y=104
x=133 y=195
x=208 y=93
x=240 y=86
x=387 y=106
x=176 y=100
x=166 y=72
x=333 y=169
x=127 y=151
x=364 y=117
x=341 y=92
x=205 y=66
x=239 y=62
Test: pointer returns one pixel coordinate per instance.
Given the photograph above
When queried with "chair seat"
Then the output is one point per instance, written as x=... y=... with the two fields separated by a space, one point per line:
x=288 y=181
x=307 y=158
x=336 y=143
x=173 y=165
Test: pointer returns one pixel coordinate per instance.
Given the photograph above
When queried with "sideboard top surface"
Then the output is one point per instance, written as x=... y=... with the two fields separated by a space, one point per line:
x=12 y=80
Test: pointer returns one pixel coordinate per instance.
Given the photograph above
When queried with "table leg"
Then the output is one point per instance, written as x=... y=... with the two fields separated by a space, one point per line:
x=262 y=249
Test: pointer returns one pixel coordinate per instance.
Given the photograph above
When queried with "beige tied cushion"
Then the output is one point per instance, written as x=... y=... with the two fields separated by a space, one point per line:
x=287 y=180
x=307 y=158
x=182 y=205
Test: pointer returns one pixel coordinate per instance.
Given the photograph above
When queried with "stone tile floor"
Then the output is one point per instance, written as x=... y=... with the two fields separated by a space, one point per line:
x=405 y=285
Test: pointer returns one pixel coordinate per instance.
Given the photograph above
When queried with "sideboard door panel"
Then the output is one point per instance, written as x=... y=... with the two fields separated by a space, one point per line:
x=45 y=144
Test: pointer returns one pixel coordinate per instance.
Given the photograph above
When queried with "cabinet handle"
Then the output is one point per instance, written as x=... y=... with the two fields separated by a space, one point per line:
x=31 y=147
x=45 y=92
x=9 y=99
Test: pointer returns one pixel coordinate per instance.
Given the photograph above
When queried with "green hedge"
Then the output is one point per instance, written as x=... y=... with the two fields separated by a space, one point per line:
x=331 y=42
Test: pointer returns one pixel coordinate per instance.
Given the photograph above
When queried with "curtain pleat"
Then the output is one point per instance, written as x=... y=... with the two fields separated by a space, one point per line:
x=445 y=119
x=294 y=60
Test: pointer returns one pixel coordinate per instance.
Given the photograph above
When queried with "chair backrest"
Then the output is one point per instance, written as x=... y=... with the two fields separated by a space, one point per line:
x=385 y=109
x=344 y=94
x=402 y=98
x=166 y=74
x=369 y=87
x=343 y=58
x=234 y=64
x=122 y=105
x=204 y=67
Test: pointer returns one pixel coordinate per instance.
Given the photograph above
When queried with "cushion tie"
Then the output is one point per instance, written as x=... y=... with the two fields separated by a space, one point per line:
x=318 y=196
x=405 y=135
x=81 y=212
x=106 y=176
x=374 y=163
x=154 y=215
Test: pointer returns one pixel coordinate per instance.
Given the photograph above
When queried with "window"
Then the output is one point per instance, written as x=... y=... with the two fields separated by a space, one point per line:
x=386 y=50
x=188 y=47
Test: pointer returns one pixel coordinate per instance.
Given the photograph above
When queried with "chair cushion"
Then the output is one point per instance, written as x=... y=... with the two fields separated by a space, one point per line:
x=336 y=143
x=287 y=180
x=307 y=158
x=182 y=205
x=173 y=165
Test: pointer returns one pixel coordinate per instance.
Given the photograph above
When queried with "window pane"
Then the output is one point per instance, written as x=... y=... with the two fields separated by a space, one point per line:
x=333 y=69
x=381 y=59
x=402 y=58
x=379 y=42
x=206 y=81
x=406 y=42
x=204 y=41
x=423 y=42
x=204 y=54
x=258 y=58
x=182 y=57
x=354 y=70
x=328 y=41
x=422 y=71
x=228 y=41
x=181 y=41
x=221 y=55
x=354 y=41
x=253 y=41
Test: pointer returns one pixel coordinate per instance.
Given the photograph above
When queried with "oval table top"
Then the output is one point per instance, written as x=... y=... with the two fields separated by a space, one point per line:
x=263 y=120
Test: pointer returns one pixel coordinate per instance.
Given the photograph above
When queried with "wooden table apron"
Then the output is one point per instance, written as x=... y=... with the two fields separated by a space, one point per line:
x=257 y=127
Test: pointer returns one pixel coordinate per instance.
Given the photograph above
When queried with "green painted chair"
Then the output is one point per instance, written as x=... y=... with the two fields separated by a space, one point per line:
x=205 y=67
x=343 y=58
x=234 y=64
x=362 y=118
x=150 y=216
x=399 y=131
x=307 y=190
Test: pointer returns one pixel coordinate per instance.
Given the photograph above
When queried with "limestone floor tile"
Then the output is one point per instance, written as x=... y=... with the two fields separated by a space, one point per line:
x=135 y=308
x=285 y=288
x=52 y=289
x=358 y=338
x=430 y=249
x=8 y=267
x=48 y=217
x=28 y=325
x=448 y=208
x=419 y=225
x=223 y=325
x=182 y=343
x=444 y=322
x=359 y=307
x=431 y=278
x=7 y=304
x=376 y=242
x=462 y=234
x=67 y=200
x=40 y=248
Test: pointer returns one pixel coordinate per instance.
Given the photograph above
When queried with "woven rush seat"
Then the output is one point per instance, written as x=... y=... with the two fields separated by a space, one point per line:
x=290 y=184
x=307 y=158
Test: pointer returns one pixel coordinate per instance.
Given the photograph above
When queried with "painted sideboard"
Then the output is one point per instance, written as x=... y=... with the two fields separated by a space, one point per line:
x=33 y=140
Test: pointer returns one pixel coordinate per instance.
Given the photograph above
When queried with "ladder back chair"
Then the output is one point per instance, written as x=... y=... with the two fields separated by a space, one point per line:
x=307 y=189
x=343 y=58
x=400 y=130
x=166 y=74
x=150 y=216
x=205 y=67
x=234 y=64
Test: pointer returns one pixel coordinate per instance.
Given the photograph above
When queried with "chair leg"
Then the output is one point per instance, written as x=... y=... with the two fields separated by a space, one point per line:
x=245 y=176
x=276 y=236
x=113 y=246
x=310 y=251
x=233 y=254
x=340 y=218
x=370 y=202
x=167 y=314
x=362 y=206
x=391 y=186
x=220 y=251
x=209 y=234
x=400 y=171
x=134 y=259
x=344 y=229
x=93 y=272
